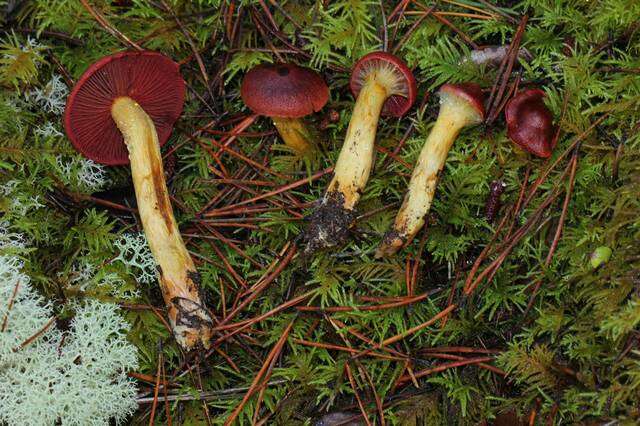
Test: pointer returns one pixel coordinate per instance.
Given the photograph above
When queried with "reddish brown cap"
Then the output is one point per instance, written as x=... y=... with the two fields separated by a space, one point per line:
x=470 y=92
x=530 y=123
x=150 y=78
x=284 y=90
x=396 y=105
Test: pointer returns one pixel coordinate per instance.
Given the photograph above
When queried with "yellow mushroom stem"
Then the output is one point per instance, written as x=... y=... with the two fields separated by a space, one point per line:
x=294 y=134
x=356 y=157
x=454 y=115
x=190 y=320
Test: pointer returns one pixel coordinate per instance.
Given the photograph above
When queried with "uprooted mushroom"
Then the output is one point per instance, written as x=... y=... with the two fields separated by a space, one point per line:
x=382 y=84
x=461 y=105
x=121 y=111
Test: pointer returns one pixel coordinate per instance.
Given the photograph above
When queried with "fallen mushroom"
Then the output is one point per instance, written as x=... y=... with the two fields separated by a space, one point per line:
x=461 y=105
x=286 y=93
x=382 y=84
x=122 y=110
x=530 y=123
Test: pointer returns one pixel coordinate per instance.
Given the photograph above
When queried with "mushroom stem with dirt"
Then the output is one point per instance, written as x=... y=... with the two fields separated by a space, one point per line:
x=461 y=105
x=121 y=111
x=286 y=93
x=382 y=84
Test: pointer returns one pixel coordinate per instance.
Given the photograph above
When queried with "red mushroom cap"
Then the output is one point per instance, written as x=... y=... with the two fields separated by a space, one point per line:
x=530 y=123
x=150 y=78
x=396 y=105
x=284 y=90
x=470 y=92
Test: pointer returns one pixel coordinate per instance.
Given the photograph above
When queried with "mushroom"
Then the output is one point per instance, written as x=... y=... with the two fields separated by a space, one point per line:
x=382 y=84
x=530 y=123
x=461 y=105
x=121 y=111
x=286 y=93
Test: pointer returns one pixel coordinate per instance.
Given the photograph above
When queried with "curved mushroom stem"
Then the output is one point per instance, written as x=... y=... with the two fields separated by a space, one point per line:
x=190 y=321
x=294 y=134
x=330 y=222
x=452 y=118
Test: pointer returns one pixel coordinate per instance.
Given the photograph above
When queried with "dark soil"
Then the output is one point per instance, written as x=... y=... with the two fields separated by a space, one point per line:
x=329 y=224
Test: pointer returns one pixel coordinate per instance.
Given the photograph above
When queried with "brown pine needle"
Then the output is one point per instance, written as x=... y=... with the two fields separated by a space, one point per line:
x=277 y=191
x=5 y=320
x=258 y=378
x=558 y=233
x=156 y=389
x=442 y=367
x=408 y=332
x=357 y=395
x=343 y=349
x=35 y=335
x=395 y=304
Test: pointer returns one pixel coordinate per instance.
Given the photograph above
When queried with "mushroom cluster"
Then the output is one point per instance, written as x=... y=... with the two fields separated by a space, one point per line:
x=382 y=84
x=123 y=108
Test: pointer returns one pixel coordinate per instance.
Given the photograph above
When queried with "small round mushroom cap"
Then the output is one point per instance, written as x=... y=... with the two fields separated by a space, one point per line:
x=284 y=90
x=469 y=92
x=150 y=78
x=530 y=123
x=405 y=88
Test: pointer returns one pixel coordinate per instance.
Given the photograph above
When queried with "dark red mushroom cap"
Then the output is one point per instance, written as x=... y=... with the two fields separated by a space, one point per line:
x=470 y=92
x=530 y=123
x=150 y=78
x=396 y=105
x=284 y=90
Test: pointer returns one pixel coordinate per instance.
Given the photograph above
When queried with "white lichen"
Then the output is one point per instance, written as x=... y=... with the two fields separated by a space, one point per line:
x=10 y=240
x=52 y=97
x=47 y=130
x=50 y=376
x=82 y=173
x=134 y=252
x=87 y=277
x=18 y=202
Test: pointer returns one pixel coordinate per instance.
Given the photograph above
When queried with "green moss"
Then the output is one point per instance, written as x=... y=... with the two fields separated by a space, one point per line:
x=572 y=355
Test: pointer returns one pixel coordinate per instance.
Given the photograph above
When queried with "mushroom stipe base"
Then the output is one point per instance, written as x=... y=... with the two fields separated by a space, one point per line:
x=329 y=224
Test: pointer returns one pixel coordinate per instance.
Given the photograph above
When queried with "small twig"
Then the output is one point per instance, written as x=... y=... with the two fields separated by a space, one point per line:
x=194 y=48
